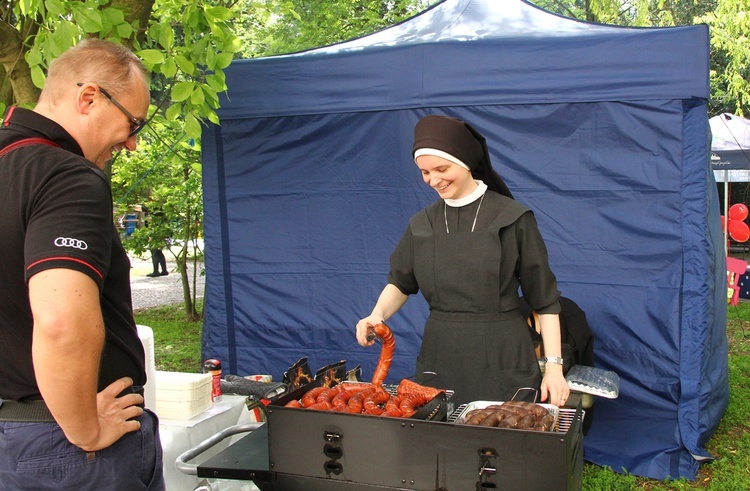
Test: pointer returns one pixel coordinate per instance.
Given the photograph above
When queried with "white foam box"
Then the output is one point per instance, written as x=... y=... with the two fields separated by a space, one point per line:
x=182 y=395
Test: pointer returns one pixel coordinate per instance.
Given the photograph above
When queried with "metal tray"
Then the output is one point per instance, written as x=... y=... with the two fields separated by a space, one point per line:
x=461 y=419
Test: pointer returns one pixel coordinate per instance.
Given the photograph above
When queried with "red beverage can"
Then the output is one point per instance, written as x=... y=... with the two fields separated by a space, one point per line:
x=213 y=366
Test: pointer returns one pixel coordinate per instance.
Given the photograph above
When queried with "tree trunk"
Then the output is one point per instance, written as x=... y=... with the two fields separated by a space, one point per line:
x=136 y=10
x=190 y=311
x=6 y=90
x=17 y=74
x=17 y=71
x=188 y=293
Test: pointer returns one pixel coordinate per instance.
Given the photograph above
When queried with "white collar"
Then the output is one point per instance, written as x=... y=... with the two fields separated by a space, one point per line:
x=470 y=198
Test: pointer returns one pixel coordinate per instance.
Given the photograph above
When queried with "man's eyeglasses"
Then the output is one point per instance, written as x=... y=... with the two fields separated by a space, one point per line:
x=136 y=125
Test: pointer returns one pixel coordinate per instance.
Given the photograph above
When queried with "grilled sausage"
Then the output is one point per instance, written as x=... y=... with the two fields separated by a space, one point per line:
x=391 y=407
x=527 y=422
x=509 y=422
x=514 y=415
x=406 y=386
x=342 y=398
x=545 y=424
x=357 y=401
x=386 y=353
x=539 y=411
x=411 y=402
x=374 y=400
x=477 y=416
x=466 y=416
x=310 y=396
x=321 y=406
x=494 y=419
x=517 y=410
x=509 y=411
x=327 y=395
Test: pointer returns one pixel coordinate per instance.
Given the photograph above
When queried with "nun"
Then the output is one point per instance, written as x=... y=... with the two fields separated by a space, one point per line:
x=469 y=253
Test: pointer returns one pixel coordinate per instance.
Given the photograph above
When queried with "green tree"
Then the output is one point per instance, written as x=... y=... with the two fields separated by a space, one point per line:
x=186 y=46
x=615 y=12
x=728 y=20
x=297 y=25
x=166 y=179
x=730 y=55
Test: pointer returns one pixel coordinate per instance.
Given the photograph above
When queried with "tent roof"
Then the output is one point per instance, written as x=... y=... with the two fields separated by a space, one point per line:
x=729 y=132
x=403 y=66
x=730 y=142
x=471 y=20
x=733 y=175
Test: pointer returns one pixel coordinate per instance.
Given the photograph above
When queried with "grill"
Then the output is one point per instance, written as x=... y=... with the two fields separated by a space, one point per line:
x=326 y=451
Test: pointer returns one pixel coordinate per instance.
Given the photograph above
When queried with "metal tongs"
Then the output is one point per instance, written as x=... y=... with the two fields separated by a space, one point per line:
x=524 y=398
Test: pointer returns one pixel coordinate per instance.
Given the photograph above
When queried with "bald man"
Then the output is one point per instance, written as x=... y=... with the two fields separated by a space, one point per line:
x=71 y=380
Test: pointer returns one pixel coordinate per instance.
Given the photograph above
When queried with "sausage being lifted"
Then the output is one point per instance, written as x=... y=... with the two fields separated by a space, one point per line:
x=386 y=353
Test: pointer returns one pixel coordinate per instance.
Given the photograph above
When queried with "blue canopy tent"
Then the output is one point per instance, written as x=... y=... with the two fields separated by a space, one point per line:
x=602 y=131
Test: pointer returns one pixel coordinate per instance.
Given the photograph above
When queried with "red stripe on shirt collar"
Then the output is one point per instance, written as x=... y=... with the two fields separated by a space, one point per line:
x=8 y=114
x=65 y=258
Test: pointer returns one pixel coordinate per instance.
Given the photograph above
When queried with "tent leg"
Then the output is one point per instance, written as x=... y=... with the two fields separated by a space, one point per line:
x=726 y=208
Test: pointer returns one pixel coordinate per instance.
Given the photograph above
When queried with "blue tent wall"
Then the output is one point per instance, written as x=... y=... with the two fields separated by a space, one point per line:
x=308 y=185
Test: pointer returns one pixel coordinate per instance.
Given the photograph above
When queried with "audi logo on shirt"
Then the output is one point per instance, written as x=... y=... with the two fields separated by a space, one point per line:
x=70 y=242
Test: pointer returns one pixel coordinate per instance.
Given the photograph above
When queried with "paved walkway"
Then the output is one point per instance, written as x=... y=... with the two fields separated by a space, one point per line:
x=160 y=290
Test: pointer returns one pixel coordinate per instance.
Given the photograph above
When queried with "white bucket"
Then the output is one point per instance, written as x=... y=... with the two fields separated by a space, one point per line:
x=146 y=334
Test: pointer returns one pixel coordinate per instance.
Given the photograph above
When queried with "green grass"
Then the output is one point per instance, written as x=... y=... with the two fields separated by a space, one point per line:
x=177 y=347
x=730 y=443
x=177 y=343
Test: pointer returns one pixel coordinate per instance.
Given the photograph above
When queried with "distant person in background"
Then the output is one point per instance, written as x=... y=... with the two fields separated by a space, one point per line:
x=158 y=260
x=157 y=256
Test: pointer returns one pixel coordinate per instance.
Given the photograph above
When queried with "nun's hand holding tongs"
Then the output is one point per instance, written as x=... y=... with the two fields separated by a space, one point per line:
x=365 y=330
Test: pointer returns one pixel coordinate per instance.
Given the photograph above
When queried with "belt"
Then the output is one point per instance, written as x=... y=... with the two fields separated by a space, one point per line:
x=37 y=412
x=133 y=389
x=29 y=411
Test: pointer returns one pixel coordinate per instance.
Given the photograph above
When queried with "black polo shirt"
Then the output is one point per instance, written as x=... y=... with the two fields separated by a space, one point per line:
x=57 y=213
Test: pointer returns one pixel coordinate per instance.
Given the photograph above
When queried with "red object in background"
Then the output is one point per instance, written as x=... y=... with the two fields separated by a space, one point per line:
x=735 y=224
x=738 y=211
x=213 y=366
x=736 y=269
x=738 y=230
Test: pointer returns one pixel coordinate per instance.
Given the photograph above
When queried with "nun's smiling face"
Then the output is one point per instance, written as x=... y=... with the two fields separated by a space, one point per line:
x=451 y=181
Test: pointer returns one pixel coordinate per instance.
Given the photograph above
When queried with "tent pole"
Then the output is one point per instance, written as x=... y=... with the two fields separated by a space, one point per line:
x=726 y=208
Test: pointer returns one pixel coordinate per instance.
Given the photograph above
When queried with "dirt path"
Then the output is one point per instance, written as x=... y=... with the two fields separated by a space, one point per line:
x=160 y=290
